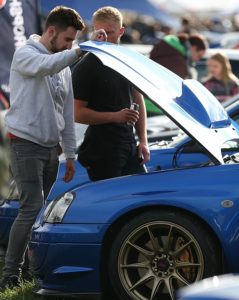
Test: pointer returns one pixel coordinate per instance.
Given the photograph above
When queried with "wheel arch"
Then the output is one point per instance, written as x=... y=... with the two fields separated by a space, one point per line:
x=123 y=219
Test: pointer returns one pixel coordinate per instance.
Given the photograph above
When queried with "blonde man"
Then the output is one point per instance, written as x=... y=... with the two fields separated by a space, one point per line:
x=102 y=100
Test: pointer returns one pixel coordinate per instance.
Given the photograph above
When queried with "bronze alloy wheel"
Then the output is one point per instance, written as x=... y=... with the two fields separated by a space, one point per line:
x=157 y=258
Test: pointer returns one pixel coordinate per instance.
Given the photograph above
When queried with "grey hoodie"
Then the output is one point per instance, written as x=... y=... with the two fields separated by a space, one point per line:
x=41 y=96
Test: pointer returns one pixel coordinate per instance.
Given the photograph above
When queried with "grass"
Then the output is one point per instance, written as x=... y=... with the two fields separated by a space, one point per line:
x=24 y=292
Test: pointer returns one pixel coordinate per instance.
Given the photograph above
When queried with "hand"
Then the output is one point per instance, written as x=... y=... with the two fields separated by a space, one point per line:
x=70 y=170
x=99 y=36
x=126 y=115
x=143 y=153
x=59 y=149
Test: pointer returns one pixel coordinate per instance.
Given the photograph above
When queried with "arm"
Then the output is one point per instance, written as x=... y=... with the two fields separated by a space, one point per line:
x=143 y=150
x=68 y=134
x=30 y=62
x=85 y=115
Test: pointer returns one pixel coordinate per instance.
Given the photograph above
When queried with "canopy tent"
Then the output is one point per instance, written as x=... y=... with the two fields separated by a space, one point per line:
x=86 y=8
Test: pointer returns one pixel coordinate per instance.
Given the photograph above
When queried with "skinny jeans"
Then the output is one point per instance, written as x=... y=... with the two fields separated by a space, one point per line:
x=35 y=169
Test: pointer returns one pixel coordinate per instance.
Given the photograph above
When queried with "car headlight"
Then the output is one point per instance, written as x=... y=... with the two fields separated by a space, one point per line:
x=56 y=210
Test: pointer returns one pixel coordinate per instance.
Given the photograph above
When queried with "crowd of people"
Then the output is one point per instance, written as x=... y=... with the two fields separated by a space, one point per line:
x=178 y=53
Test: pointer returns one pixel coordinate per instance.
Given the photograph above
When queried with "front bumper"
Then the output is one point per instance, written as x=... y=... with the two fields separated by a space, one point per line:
x=65 y=259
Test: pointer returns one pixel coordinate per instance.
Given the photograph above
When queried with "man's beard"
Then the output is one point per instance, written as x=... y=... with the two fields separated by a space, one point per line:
x=54 y=48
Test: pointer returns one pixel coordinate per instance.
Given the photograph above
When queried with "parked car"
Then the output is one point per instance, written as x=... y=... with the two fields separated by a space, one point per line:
x=178 y=152
x=9 y=206
x=224 y=287
x=146 y=235
x=174 y=151
x=161 y=128
x=230 y=40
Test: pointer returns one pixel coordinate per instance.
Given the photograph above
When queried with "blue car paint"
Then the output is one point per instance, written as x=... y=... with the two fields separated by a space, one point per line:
x=8 y=212
x=88 y=221
x=208 y=180
x=60 y=186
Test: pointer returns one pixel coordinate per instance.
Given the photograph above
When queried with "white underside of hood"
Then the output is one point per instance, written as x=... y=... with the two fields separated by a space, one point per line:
x=187 y=102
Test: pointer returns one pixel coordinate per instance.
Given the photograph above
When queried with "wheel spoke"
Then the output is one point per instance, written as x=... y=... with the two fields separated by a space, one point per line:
x=181 y=278
x=179 y=250
x=157 y=283
x=169 y=286
x=187 y=264
x=144 y=264
x=153 y=240
x=144 y=279
x=143 y=251
x=167 y=244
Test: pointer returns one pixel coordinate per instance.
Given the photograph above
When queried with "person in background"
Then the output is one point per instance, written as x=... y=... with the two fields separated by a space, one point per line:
x=102 y=100
x=185 y=25
x=178 y=52
x=221 y=82
x=4 y=101
x=40 y=116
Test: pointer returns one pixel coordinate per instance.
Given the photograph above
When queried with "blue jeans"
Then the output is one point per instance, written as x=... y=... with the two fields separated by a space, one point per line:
x=34 y=168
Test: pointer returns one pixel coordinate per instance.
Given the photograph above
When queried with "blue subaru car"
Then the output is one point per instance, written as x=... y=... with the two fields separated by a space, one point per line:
x=145 y=236
x=181 y=151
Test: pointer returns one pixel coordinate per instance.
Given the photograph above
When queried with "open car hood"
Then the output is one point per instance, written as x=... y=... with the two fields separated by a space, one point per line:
x=187 y=102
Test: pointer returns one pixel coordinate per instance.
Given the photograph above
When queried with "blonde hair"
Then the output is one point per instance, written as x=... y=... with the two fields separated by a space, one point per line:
x=227 y=74
x=107 y=13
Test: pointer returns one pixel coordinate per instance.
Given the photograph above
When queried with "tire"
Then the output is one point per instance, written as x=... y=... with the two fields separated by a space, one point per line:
x=158 y=252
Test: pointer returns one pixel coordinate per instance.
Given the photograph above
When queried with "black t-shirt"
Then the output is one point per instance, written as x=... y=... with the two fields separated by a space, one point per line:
x=105 y=91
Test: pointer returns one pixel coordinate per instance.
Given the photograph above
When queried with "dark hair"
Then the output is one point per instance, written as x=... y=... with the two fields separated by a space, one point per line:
x=63 y=17
x=199 y=41
x=196 y=40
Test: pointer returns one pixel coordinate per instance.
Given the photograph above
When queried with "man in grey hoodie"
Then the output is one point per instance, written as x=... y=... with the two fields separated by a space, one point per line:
x=40 y=116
